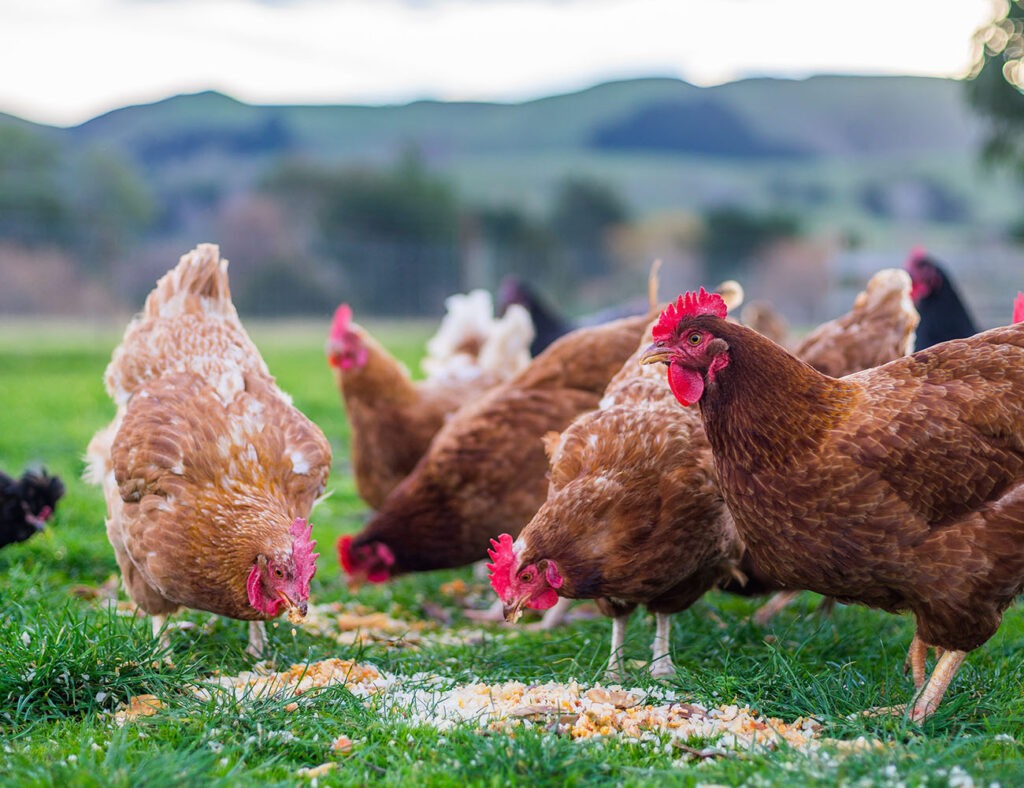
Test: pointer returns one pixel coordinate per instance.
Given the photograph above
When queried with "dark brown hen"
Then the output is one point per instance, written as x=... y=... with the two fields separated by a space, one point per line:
x=900 y=487
x=633 y=513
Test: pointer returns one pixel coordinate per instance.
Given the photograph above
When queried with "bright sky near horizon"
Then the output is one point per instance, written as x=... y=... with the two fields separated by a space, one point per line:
x=65 y=61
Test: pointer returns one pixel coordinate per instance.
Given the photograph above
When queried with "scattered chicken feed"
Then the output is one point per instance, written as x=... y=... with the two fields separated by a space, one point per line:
x=570 y=709
x=351 y=624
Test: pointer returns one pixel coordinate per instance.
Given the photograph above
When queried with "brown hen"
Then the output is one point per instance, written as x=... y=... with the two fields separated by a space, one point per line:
x=900 y=487
x=485 y=471
x=634 y=514
x=207 y=469
x=393 y=418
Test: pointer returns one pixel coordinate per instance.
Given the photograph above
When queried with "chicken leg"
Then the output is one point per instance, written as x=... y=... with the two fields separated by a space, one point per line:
x=555 y=616
x=661 y=663
x=769 y=609
x=917 y=656
x=927 y=699
x=930 y=697
x=160 y=633
x=257 y=639
x=615 y=666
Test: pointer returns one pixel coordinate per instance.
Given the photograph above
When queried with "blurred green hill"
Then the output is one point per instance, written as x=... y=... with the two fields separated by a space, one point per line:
x=663 y=142
x=875 y=162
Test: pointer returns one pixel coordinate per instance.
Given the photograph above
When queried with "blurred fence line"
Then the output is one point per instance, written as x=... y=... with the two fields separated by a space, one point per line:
x=395 y=279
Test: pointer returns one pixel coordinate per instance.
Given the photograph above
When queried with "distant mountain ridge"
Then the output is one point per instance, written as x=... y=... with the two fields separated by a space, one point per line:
x=823 y=115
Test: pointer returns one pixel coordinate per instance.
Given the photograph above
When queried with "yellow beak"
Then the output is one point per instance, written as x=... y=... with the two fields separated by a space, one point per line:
x=515 y=611
x=302 y=607
x=656 y=354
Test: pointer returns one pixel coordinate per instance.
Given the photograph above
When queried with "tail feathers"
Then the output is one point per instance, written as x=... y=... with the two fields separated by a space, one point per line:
x=463 y=329
x=470 y=340
x=199 y=281
x=506 y=350
x=97 y=455
x=653 y=280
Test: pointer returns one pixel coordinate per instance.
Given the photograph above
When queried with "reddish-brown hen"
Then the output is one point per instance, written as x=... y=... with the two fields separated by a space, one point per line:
x=392 y=418
x=207 y=469
x=633 y=513
x=900 y=487
x=485 y=471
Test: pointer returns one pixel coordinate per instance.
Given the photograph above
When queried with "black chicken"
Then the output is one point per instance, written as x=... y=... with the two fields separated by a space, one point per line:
x=26 y=504
x=943 y=314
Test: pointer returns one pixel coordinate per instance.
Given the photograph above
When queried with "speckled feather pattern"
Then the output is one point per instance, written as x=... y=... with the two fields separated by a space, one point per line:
x=901 y=487
x=633 y=514
x=485 y=471
x=206 y=463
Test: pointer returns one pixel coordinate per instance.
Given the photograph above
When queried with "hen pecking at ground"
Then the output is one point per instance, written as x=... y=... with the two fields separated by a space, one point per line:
x=208 y=471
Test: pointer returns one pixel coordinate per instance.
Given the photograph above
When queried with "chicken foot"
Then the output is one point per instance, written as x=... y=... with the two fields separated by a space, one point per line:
x=661 y=663
x=928 y=699
x=495 y=614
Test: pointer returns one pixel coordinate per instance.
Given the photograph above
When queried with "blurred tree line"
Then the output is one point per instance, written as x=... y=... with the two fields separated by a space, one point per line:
x=996 y=85
x=996 y=89
x=392 y=240
x=90 y=202
x=405 y=228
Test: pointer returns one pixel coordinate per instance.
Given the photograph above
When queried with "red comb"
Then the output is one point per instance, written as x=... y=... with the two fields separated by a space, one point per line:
x=342 y=318
x=302 y=553
x=689 y=305
x=1018 y=307
x=917 y=254
x=504 y=559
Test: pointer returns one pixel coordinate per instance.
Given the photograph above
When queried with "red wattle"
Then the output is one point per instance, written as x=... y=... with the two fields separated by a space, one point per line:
x=544 y=601
x=686 y=384
x=345 y=553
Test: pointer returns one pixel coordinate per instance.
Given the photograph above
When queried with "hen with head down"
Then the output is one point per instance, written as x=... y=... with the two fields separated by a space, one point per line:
x=208 y=471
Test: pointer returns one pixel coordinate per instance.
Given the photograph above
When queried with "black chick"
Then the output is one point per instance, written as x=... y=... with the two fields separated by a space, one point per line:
x=26 y=504
x=943 y=314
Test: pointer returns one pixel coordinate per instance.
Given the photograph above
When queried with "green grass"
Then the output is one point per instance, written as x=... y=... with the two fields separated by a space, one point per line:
x=65 y=664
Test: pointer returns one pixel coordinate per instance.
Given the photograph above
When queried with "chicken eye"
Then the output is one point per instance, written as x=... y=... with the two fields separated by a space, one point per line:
x=278 y=572
x=694 y=338
x=525 y=577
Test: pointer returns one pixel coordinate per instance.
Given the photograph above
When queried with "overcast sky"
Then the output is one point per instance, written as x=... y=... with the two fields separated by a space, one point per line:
x=64 y=61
